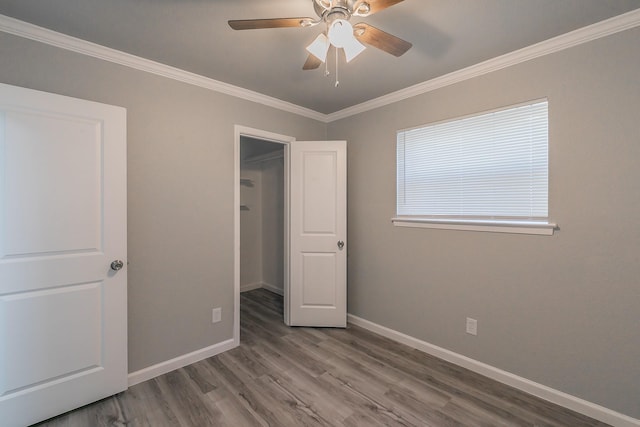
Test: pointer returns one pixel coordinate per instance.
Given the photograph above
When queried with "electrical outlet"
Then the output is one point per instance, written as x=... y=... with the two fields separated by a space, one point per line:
x=216 y=315
x=472 y=326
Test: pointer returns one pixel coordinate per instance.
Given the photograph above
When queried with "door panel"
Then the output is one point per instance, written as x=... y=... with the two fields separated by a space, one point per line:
x=317 y=294
x=318 y=280
x=63 y=339
x=66 y=187
x=47 y=349
x=319 y=190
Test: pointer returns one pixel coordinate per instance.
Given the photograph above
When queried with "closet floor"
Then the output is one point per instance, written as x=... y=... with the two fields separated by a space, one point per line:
x=282 y=376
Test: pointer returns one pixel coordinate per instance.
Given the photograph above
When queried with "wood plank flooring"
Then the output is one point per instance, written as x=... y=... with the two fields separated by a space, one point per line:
x=281 y=376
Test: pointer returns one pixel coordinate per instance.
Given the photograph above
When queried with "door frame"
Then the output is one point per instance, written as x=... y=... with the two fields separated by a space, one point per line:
x=267 y=136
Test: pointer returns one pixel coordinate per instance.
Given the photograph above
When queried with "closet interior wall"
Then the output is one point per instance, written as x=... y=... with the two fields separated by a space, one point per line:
x=261 y=216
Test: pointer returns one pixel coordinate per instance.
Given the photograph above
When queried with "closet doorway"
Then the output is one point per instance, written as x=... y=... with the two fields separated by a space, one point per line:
x=312 y=231
x=262 y=214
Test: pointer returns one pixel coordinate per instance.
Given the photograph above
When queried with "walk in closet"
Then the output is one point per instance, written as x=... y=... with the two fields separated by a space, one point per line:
x=261 y=215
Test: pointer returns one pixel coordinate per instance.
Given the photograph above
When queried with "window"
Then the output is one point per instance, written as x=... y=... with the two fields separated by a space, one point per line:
x=488 y=171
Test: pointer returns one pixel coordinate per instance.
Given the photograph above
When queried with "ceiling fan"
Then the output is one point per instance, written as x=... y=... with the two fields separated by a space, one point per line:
x=339 y=33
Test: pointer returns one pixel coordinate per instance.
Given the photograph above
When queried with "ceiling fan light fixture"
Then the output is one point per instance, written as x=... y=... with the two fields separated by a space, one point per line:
x=340 y=33
x=319 y=47
x=341 y=36
x=335 y=14
x=352 y=48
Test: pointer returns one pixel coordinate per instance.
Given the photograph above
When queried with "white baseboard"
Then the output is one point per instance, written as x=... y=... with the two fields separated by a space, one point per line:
x=576 y=404
x=267 y=286
x=274 y=289
x=250 y=286
x=180 y=361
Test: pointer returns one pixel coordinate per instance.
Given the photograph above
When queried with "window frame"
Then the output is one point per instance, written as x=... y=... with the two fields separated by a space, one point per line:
x=517 y=225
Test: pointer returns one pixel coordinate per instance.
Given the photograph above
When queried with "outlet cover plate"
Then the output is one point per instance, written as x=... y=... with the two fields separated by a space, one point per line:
x=472 y=326
x=216 y=315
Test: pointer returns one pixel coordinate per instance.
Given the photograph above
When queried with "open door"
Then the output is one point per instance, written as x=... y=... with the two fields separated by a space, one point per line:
x=63 y=311
x=318 y=233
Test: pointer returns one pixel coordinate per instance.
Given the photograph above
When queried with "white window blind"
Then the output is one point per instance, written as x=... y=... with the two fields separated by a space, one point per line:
x=489 y=166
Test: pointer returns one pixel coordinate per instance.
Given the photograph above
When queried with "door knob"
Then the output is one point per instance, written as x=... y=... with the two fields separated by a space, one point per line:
x=340 y=244
x=117 y=265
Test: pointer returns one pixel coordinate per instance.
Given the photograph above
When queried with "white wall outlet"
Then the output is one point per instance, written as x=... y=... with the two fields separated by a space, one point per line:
x=216 y=315
x=472 y=326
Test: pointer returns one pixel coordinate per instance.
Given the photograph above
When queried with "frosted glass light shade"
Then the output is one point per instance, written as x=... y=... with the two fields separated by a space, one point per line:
x=340 y=32
x=341 y=36
x=352 y=48
x=319 y=47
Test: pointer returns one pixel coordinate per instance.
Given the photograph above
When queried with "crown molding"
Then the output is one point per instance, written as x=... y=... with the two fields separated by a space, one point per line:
x=574 y=38
x=63 y=41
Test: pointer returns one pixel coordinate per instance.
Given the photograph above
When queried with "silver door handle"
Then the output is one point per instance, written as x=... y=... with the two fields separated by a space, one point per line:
x=340 y=244
x=117 y=265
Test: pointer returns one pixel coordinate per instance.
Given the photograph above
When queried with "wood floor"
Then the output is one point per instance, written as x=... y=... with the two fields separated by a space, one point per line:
x=281 y=376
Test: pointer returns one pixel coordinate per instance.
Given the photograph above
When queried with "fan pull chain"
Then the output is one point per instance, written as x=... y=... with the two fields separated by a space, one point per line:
x=326 y=68
x=337 y=81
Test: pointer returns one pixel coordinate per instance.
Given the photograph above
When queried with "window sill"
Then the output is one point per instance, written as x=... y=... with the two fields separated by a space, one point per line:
x=497 y=226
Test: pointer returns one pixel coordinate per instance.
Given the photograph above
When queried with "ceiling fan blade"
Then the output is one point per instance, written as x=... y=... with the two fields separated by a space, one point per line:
x=255 y=24
x=380 y=39
x=374 y=6
x=311 y=63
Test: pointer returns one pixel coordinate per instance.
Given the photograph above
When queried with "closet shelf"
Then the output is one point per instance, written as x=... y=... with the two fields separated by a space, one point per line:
x=246 y=181
x=278 y=154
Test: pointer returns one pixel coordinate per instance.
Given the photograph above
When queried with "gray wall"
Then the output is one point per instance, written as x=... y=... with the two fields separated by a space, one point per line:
x=251 y=226
x=561 y=310
x=180 y=185
x=273 y=223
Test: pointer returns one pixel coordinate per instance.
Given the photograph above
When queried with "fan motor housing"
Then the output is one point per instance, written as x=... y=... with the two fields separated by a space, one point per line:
x=329 y=10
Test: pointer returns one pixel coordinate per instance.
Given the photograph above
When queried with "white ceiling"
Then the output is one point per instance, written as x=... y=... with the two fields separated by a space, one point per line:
x=193 y=35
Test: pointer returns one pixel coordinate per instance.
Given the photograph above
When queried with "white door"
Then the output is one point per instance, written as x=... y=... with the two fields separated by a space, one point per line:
x=318 y=233
x=63 y=337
